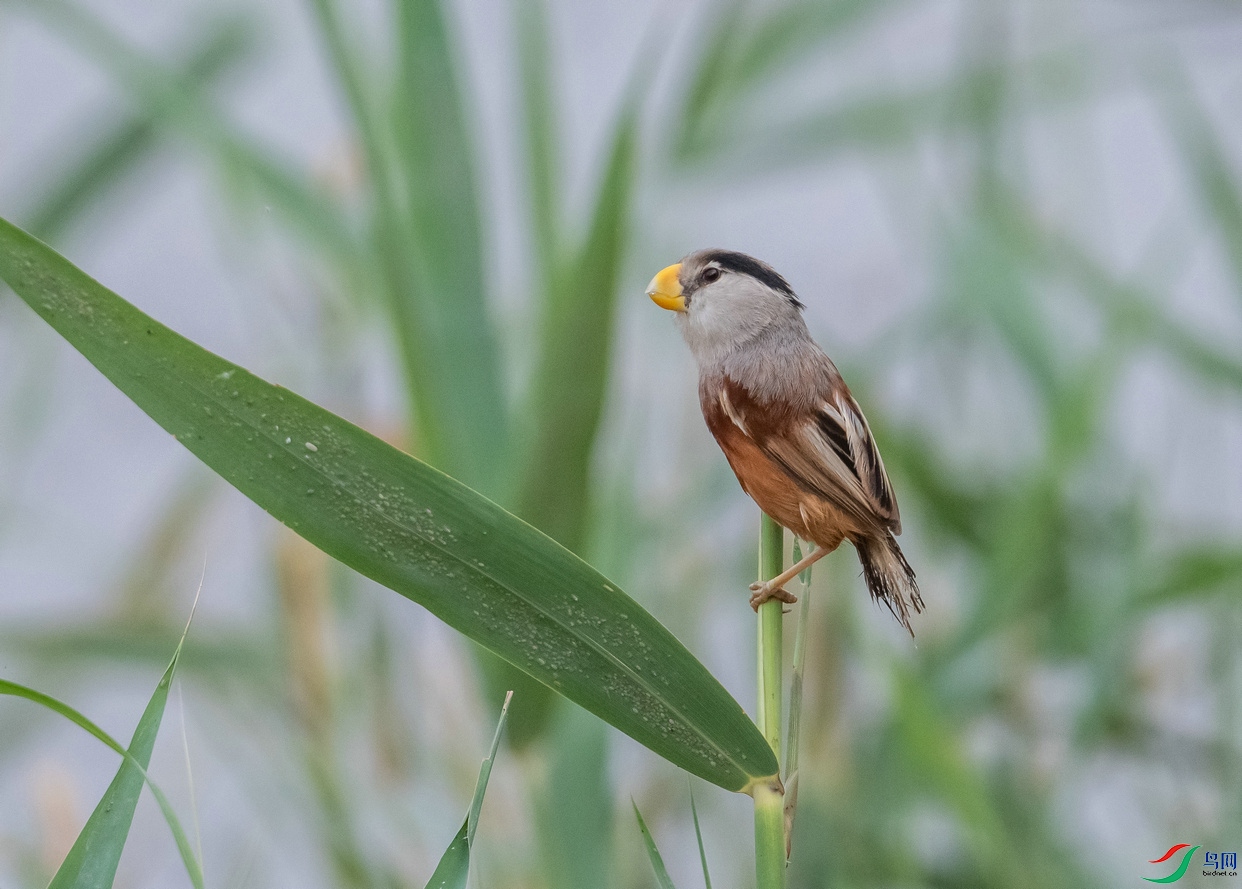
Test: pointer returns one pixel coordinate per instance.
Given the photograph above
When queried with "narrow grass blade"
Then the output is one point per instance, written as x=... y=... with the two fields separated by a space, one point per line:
x=705 y=96
x=663 y=880
x=179 y=105
x=119 y=147
x=438 y=313
x=791 y=31
x=571 y=373
x=407 y=526
x=92 y=861
x=434 y=145
x=226 y=657
x=872 y=122
x=454 y=868
x=935 y=752
x=485 y=771
x=562 y=415
x=392 y=236
x=1199 y=571
x=141 y=593
x=192 y=867
x=539 y=129
x=116 y=148
x=957 y=507
x=1131 y=309
x=435 y=155
x=744 y=48
x=986 y=276
x=574 y=809
x=698 y=835
x=575 y=353
x=1208 y=165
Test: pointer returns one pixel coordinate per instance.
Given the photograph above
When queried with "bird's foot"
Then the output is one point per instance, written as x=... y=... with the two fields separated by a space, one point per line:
x=764 y=591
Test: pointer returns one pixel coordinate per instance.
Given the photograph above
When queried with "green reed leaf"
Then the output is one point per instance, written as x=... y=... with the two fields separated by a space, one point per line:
x=406 y=525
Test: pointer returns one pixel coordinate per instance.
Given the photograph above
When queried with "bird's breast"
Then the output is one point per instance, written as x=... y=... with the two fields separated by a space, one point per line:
x=739 y=429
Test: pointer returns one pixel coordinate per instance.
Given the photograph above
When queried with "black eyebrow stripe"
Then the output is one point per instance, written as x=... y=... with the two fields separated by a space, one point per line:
x=760 y=271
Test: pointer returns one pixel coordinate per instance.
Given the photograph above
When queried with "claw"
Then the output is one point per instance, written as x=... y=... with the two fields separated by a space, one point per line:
x=763 y=594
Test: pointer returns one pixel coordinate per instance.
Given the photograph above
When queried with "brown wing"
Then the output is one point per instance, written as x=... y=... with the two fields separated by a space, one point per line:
x=829 y=452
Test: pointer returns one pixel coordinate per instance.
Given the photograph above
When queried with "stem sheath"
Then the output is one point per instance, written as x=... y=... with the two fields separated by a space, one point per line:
x=769 y=836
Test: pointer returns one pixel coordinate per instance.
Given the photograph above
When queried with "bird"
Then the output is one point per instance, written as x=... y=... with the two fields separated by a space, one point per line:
x=784 y=418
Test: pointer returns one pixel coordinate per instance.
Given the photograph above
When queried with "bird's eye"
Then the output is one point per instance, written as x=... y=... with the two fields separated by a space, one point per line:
x=710 y=274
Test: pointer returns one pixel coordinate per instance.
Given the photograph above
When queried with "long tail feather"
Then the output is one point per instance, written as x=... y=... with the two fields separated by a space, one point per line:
x=889 y=577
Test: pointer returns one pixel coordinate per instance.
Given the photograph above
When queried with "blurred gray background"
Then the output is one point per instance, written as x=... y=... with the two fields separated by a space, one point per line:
x=1017 y=227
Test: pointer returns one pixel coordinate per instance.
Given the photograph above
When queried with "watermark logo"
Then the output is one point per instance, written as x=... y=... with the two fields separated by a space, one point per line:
x=1220 y=864
x=1215 y=864
x=1181 y=867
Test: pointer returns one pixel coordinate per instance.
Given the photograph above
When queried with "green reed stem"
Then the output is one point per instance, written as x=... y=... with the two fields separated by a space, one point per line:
x=799 y=670
x=769 y=799
x=795 y=701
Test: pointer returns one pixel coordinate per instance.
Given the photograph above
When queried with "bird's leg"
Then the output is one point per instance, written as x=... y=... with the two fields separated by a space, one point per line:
x=763 y=591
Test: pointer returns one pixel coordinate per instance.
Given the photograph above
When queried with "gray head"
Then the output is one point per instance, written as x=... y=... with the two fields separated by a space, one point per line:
x=724 y=300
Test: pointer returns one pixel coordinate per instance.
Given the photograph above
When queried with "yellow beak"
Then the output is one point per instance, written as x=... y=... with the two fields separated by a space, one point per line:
x=665 y=289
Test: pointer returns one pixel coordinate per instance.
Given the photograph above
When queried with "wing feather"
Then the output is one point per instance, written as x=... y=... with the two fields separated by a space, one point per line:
x=827 y=451
x=833 y=454
x=868 y=464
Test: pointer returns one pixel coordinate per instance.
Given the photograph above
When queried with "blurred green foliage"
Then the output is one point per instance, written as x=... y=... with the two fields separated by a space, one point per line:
x=1051 y=561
